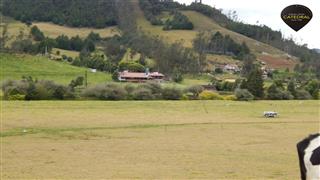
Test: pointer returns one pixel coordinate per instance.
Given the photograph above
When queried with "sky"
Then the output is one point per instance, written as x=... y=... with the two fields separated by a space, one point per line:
x=268 y=12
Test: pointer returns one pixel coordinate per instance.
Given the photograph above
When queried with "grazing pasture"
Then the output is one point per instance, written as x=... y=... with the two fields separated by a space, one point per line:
x=15 y=66
x=154 y=139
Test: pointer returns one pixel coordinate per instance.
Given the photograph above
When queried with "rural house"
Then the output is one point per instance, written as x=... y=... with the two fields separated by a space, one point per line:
x=127 y=76
x=231 y=68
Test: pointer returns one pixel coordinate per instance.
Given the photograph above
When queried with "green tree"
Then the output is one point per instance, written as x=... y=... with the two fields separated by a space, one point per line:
x=255 y=83
x=313 y=88
x=248 y=64
x=292 y=88
x=37 y=34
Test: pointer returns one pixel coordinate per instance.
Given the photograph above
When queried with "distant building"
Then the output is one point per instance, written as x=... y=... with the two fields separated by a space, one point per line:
x=231 y=68
x=127 y=76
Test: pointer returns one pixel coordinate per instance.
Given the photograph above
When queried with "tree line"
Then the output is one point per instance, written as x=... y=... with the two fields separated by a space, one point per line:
x=38 y=43
x=244 y=90
x=76 y=13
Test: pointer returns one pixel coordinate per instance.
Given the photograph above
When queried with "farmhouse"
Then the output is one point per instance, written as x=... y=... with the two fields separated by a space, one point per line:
x=231 y=68
x=127 y=76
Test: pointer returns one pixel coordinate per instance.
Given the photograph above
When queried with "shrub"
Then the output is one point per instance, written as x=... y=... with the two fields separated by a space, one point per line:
x=218 y=70
x=142 y=93
x=115 y=76
x=243 y=95
x=275 y=92
x=230 y=98
x=171 y=93
x=131 y=66
x=225 y=86
x=210 y=95
x=303 y=95
x=76 y=82
x=37 y=34
x=195 y=91
x=186 y=96
x=69 y=59
x=177 y=76
x=129 y=88
x=313 y=88
x=286 y=95
x=64 y=57
x=154 y=87
x=35 y=90
x=16 y=97
x=11 y=88
x=179 y=21
x=106 y=92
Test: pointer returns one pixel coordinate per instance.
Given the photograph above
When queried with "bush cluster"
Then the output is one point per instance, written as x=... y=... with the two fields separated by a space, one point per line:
x=179 y=21
x=147 y=91
x=243 y=95
x=29 y=89
x=210 y=95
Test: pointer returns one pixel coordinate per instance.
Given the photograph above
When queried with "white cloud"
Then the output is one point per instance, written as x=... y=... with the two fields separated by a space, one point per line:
x=268 y=12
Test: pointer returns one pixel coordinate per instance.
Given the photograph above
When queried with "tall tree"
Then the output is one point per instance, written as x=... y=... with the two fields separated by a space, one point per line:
x=255 y=83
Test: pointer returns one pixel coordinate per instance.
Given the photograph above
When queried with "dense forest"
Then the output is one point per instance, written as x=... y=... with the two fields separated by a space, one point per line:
x=77 y=13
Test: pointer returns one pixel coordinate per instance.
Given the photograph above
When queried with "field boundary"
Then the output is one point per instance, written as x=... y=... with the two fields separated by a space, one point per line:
x=29 y=131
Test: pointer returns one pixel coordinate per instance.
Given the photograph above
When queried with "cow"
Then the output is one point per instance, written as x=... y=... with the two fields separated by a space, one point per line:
x=309 y=157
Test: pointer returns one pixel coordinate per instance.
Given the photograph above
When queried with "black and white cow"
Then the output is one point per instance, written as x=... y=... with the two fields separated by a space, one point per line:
x=309 y=157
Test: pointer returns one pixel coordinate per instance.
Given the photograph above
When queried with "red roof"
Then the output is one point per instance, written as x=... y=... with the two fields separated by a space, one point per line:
x=126 y=74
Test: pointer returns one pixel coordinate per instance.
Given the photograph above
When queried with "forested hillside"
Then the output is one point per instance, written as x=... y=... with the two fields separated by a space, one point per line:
x=77 y=13
x=264 y=34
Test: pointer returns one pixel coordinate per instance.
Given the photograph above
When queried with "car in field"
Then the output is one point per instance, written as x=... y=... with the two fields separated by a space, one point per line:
x=270 y=114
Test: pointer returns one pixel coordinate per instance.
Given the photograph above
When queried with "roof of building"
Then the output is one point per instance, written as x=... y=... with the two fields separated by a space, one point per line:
x=127 y=74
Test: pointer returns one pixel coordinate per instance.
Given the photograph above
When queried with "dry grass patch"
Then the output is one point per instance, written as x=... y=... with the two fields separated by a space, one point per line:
x=53 y=30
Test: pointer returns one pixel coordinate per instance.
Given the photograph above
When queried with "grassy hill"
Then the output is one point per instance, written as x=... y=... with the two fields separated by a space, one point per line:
x=272 y=56
x=16 y=66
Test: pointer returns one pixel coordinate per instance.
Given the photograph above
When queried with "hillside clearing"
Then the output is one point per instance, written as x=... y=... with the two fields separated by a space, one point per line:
x=16 y=66
x=68 y=53
x=53 y=30
x=155 y=139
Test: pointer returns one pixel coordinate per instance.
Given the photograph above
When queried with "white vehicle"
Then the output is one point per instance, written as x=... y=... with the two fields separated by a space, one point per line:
x=270 y=114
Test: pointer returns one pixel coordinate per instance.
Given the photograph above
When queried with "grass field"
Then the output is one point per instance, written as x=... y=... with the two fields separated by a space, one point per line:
x=68 y=53
x=16 y=66
x=155 y=139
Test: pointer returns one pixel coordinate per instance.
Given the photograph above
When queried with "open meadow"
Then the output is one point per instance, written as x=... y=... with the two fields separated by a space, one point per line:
x=15 y=66
x=153 y=139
